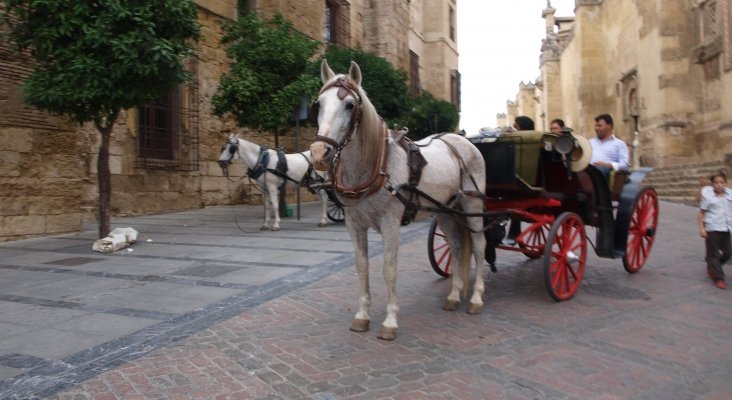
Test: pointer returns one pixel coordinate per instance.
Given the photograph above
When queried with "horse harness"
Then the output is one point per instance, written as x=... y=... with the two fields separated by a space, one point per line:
x=415 y=161
x=261 y=166
x=280 y=169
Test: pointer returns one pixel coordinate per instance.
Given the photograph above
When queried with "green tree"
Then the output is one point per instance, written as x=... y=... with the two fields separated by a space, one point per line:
x=385 y=85
x=430 y=115
x=268 y=76
x=93 y=58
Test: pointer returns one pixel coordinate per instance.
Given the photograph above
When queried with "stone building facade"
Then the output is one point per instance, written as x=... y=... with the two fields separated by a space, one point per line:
x=661 y=67
x=48 y=181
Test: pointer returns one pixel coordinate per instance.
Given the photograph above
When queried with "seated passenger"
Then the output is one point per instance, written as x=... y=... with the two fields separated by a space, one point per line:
x=556 y=126
x=523 y=123
x=608 y=152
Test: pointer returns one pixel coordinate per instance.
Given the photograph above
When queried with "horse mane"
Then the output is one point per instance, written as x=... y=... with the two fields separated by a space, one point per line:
x=369 y=128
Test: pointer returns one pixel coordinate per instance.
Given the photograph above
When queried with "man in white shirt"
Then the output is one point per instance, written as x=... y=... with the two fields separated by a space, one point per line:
x=608 y=152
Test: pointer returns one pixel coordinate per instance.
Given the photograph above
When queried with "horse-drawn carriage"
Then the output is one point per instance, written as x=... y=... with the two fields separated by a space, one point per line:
x=542 y=182
x=385 y=181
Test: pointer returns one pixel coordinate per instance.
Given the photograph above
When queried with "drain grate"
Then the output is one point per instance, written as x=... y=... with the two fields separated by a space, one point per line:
x=73 y=261
x=206 y=270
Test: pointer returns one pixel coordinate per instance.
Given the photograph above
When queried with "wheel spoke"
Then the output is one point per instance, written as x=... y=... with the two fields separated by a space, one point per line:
x=641 y=230
x=565 y=256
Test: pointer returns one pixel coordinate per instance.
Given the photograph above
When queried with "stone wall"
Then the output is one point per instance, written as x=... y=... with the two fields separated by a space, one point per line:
x=40 y=183
x=647 y=58
x=48 y=179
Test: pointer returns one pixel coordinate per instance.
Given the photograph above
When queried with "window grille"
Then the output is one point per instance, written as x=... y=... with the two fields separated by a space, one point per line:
x=168 y=129
x=708 y=22
x=453 y=34
x=337 y=29
x=455 y=88
x=415 y=86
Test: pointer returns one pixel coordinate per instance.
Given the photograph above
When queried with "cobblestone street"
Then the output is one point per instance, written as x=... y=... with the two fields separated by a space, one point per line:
x=663 y=333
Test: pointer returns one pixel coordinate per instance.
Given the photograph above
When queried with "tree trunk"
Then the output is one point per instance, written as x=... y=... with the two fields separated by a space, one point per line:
x=104 y=177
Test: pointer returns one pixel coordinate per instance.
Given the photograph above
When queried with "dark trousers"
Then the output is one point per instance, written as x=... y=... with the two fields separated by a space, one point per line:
x=719 y=248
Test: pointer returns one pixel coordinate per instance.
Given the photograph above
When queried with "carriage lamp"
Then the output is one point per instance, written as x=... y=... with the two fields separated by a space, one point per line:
x=565 y=145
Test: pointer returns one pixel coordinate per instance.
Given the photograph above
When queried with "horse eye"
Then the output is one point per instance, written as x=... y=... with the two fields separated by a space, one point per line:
x=232 y=149
x=350 y=105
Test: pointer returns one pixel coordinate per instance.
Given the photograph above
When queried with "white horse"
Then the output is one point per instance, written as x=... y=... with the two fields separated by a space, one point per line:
x=261 y=167
x=367 y=167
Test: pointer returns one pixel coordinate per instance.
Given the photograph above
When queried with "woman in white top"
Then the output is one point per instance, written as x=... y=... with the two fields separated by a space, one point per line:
x=715 y=224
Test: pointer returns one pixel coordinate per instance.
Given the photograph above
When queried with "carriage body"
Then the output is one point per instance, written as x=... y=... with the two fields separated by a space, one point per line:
x=546 y=204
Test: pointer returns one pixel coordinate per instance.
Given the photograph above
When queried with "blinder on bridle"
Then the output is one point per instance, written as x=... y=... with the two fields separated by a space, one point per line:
x=233 y=148
x=345 y=87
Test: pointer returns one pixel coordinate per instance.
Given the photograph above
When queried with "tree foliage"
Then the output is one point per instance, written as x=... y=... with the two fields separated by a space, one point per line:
x=385 y=85
x=274 y=65
x=94 y=58
x=430 y=115
x=268 y=76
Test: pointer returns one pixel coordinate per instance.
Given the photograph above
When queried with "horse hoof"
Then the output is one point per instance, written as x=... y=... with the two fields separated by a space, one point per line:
x=475 y=308
x=263 y=227
x=387 y=333
x=451 y=305
x=360 y=325
x=275 y=228
x=322 y=224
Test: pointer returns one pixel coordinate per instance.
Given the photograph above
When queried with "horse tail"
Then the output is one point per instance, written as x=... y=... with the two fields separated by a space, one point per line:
x=465 y=259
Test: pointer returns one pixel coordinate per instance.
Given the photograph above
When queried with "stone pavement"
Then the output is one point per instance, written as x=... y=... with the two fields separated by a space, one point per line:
x=207 y=311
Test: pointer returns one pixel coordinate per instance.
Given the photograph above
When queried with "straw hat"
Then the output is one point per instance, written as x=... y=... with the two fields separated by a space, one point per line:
x=577 y=146
x=581 y=154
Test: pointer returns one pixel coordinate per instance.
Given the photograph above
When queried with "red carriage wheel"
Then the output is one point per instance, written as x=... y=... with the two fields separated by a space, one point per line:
x=565 y=256
x=439 y=250
x=641 y=230
x=534 y=241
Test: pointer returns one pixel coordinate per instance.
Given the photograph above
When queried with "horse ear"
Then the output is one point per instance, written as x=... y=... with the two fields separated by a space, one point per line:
x=355 y=73
x=326 y=74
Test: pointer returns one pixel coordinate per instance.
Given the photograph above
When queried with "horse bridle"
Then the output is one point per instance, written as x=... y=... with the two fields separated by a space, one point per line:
x=345 y=87
x=224 y=164
x=379 y=173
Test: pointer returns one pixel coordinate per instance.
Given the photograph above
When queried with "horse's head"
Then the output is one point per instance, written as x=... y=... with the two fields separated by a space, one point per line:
x=338 y=110
x=228 y=152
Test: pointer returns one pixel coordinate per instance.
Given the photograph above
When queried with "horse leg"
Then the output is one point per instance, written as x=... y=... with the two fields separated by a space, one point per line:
x=323 y=208
x=265 y=202
x=390 y=237
x=275 y=199
x=477 y=239
x=360 y=241
x=452 y=234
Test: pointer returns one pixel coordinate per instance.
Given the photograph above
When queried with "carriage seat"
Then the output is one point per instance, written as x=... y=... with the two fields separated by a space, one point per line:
x=528 y=149
x=512 y=163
